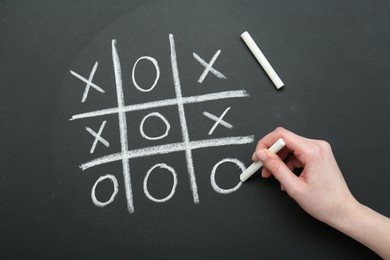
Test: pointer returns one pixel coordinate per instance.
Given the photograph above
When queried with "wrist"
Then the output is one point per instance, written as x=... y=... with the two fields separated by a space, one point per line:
x=364 y=225
x=346 y=215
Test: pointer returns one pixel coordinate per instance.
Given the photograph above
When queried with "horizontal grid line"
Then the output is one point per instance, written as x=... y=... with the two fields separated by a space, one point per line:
x=163 y=103
x=169 y=148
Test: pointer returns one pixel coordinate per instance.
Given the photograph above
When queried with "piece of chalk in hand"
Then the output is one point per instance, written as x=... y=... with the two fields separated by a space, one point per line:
x=276 y=147
x=262 y=59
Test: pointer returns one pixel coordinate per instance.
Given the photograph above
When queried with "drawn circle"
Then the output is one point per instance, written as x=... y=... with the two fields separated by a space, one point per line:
x=146 y=191
x=155 y=63
x=93 y=192
x=215 y=186
x=156 y=114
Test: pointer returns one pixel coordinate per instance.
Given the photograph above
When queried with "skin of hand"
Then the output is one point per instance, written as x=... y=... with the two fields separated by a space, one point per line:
x=320 y=189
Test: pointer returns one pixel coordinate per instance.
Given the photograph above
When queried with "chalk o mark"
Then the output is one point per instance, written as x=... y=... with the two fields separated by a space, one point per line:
x=155 y=114
x=146 y=191
x=155 y=63
x=215 y=186
x=93 y=192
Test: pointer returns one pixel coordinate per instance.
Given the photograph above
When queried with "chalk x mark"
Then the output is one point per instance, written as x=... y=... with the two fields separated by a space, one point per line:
x=98 y=137
x=88 y=81
x=218 y=120
x=209 y=67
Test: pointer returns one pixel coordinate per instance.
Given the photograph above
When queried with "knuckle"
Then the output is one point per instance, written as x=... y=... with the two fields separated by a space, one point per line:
x=325 y=145
x=295 y=192
x=279 y=130
x=320 y=148
x=315 y=149
x=259 y=145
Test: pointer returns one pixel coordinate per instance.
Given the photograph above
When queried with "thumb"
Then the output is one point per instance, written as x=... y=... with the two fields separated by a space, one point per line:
x=279 y=170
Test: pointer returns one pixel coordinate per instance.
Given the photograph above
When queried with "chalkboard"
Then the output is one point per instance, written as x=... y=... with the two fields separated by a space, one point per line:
x=126 y=124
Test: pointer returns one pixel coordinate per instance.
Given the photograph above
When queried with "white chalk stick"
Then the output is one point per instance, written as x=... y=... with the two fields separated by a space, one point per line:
x=262 y=60
x=276 y=147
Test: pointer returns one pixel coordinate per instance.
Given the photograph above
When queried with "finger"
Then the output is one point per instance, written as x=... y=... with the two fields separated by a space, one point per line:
x=254 y=158
x=269 y=139
x=279 y=170
x=265 y=173
x=294 y=143
x=292 y=163
x=282 y=154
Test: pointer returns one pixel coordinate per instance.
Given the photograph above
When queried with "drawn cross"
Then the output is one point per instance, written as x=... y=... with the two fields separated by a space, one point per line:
x=218 y=120
x=209 y=67
x=98 y=136
x=88 y=81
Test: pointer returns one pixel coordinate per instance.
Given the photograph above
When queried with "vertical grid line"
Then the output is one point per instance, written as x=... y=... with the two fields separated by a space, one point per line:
x=122 y=127
x=183 y=122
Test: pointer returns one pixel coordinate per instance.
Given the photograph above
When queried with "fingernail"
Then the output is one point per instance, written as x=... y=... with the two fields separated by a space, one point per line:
x=254 y=156
x=261 y=155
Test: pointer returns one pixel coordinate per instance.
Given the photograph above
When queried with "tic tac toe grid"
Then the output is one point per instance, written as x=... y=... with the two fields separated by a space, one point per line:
x=186 y=145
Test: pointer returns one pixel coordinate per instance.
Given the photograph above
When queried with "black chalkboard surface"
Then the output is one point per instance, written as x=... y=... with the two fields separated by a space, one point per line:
x=125 y=125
